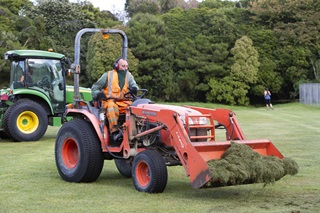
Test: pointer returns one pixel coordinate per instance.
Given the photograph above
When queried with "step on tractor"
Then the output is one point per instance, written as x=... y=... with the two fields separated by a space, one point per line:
x=155 y=136
x=36 y=95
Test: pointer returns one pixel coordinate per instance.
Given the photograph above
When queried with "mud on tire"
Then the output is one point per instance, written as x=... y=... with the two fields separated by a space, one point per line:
x=78 y=153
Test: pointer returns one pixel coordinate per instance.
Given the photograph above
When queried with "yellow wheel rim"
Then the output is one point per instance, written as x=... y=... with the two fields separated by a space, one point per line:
x=27 y=122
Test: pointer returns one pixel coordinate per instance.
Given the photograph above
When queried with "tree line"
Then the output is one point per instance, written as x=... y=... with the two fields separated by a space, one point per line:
x=213 y=51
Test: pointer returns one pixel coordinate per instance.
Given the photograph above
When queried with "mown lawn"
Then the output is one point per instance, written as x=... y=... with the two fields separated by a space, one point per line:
x=29 y=181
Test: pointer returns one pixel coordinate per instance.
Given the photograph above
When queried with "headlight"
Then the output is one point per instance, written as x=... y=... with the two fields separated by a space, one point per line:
x=195 y=120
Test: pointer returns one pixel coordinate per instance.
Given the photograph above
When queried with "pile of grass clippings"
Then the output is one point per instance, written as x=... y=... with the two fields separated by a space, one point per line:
x=241 y=165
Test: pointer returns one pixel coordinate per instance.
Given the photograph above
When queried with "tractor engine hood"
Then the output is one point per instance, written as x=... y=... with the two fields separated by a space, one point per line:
x=182 y=111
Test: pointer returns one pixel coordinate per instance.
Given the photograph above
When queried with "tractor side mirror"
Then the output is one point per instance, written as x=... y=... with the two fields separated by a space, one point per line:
x=68 y=70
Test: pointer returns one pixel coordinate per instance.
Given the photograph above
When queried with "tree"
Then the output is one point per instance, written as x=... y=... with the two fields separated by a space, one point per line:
x=197 y=61
x=17 y=6
x=202 y=39
x=293 y=67
x=11 y=13
x=61 y=20
x=246 y=64
x=216 y=4
x=265 y=42
x=134 y=7
x=183 y=24
x=295 y=24
x=244 y=72
x=149 y=44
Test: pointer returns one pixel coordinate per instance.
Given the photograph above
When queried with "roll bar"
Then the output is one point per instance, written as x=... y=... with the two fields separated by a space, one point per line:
x=75 y=67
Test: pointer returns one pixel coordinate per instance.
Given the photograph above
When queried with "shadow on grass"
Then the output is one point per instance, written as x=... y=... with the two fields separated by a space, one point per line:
x=179 y=186
x=6 y=141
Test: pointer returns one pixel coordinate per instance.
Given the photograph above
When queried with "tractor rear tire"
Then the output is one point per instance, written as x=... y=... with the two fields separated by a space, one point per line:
x=124 y=167
x=78 y=153
x=25 y=120
x=149 y=172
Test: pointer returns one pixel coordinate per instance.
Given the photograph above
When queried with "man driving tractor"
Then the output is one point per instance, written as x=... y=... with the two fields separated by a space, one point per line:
x=110 y=88
x=27 y=78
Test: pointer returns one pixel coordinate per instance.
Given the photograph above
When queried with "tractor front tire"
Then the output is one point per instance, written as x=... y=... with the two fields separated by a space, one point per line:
x=124 y=167
x=25 y=120
x=78 y=153
x=149 y=172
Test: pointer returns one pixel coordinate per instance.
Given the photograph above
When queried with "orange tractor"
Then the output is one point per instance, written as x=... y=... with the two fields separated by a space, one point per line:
x=154 y=136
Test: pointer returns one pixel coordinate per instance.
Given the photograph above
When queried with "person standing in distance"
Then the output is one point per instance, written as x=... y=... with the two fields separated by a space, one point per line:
x=267 y=98
x=110 y=88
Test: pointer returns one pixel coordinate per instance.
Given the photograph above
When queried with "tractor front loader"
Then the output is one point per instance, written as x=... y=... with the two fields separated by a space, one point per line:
x=154 y=136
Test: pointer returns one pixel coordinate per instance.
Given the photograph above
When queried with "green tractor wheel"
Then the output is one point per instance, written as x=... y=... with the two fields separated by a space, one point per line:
x=25 y=120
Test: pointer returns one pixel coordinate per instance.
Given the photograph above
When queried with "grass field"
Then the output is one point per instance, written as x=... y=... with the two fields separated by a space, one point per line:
x=29 y=181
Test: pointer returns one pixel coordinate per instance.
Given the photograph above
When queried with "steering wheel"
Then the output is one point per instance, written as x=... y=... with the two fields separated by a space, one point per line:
x=140 y=94
x=43 y=82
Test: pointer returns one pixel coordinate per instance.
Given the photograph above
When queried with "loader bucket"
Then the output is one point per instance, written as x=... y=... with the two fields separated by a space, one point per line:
x=210 y=151
x=214 y=150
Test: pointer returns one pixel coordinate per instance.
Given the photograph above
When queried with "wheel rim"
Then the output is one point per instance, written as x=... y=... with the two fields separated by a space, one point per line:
x=27 y=122
x=143 y=174
x=70 y=154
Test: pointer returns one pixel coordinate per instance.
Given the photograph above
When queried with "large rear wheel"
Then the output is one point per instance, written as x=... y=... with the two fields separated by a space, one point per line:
x=149 y=172
x=78 y=152
x=25 y=120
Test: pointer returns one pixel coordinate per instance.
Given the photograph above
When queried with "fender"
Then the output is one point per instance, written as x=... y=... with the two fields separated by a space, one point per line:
x=95 y=123
x=25 y=91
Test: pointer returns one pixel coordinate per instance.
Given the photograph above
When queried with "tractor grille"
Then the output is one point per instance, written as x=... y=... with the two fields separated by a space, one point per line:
x=200 y=128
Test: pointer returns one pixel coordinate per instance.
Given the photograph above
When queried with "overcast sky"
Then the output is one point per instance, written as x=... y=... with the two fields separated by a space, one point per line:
x=109 y=4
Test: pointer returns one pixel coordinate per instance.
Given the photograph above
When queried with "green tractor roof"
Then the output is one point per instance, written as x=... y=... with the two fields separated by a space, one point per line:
x=20 y=54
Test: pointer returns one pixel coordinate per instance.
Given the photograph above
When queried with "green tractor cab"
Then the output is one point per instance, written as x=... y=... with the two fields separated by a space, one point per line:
x=37 y=96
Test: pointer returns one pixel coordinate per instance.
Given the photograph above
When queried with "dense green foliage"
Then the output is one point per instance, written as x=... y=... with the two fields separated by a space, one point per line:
x=213 y=51
x=152 y=47
x=243 y=73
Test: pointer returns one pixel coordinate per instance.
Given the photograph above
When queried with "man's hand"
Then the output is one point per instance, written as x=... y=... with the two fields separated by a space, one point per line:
x=101 y=96
x=134 y=90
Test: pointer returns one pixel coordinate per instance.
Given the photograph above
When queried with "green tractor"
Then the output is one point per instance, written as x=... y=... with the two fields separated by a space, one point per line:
x=37 y=96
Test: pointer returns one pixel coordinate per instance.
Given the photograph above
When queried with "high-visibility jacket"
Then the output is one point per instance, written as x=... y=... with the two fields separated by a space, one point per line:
x=113 y=90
